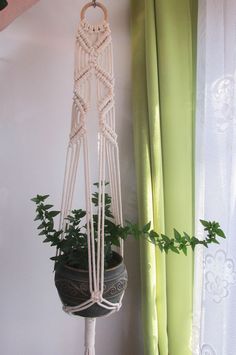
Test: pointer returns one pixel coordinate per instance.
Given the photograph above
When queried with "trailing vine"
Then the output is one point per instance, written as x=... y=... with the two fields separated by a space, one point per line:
x=73 y=248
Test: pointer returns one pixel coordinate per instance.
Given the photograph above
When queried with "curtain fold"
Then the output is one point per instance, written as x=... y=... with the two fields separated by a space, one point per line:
x=164 y=46
x=145 y=106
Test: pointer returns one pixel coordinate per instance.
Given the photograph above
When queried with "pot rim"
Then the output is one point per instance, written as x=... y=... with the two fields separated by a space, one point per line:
x=106 y=270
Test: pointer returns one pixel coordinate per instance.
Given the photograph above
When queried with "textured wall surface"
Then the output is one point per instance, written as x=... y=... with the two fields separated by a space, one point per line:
x=36 y=82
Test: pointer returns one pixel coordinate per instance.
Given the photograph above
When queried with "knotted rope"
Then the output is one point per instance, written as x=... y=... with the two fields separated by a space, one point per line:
x=93 y=59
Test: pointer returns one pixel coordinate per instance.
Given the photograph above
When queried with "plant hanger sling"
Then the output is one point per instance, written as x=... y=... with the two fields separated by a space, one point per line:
x=93 y=64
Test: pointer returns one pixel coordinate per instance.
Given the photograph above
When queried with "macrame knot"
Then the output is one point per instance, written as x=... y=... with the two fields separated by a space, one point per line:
x=96 y=296
x=77 y=133
x=108 y=132
x=83 y=40
x=80 y=103
x=93 y=57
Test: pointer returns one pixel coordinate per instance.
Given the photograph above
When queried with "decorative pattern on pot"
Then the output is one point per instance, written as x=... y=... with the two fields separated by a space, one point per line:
x=73 y=287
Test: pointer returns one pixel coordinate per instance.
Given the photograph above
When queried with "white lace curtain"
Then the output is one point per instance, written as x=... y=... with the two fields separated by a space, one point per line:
x=215 y=268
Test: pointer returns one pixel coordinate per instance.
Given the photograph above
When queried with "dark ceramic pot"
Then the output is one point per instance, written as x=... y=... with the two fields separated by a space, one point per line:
x=73 y=287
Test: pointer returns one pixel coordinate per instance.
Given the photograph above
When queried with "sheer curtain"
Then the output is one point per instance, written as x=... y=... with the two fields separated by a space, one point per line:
x=215 y=268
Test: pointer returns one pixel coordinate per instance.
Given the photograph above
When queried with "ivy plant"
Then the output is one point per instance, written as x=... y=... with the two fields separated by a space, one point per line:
x=72 y=247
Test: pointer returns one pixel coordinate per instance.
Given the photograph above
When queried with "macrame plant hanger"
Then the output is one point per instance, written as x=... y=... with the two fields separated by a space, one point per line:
x=93 y=59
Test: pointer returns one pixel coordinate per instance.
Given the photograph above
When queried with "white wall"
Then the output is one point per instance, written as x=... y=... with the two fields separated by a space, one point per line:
x=36 y=71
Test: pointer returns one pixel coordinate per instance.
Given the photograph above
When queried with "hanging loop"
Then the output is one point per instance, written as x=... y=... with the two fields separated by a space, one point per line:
x=94 y=4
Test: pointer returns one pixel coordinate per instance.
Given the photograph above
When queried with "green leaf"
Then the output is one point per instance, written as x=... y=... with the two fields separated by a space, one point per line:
x=41 y=226
x=166 y=248
x=215 y=225
x=55 y=243
x=47 y=240
x=220 y=233
x=43 y=232
x=204 y=242
x=146 y=227
x=47 y=207
x=34 y=199
x=177 y=235
x=53 y=213
x=154 y=235
x=204 y=223
x=97 y=184
x=215 y=241
x=187 y=237
x=39 y=198
x=54 y=258
x=193 y=246
x=174 y=249
x=165 y=238
x=184 y=248
x=57 y=233
x=194 y=241
x=44 y=197
x=38 y=217
x=95 y=201
x=115 y=241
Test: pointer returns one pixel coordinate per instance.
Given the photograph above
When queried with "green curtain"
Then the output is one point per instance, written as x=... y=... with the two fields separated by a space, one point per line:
x=163 y=52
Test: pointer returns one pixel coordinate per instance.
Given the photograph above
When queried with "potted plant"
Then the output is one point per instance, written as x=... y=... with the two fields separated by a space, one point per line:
x=71 y=260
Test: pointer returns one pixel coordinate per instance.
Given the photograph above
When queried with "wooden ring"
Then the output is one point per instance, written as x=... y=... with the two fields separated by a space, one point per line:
x=91 y=4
